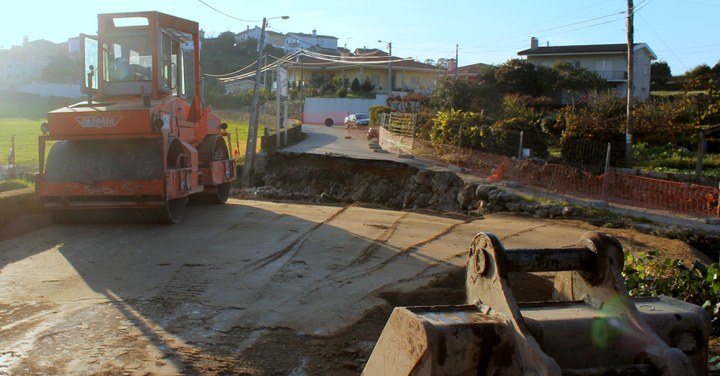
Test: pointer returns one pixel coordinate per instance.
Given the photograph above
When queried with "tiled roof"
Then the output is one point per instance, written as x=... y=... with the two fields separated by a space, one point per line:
x=312 y=35
x=369 y=59
x=473 y=68
x=582 y=49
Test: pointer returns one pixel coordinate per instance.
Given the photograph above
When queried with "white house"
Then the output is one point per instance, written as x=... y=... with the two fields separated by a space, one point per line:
x=296 y=41
x=609 y=61
x=24 y=64
x=272 y=38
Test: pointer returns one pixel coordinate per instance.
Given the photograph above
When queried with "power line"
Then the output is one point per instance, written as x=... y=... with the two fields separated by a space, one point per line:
x=324 y=60
x=663 y=42
x=513 y=36
x=225 y=14
x=640 y=5
x=699 y=3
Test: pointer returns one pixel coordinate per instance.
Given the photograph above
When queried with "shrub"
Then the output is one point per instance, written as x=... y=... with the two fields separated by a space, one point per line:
x=506 y=137
x=355 y=85
x=646 y=275
x=447 y=125
x=367 y=86
x=375 y=112
x=589 y=126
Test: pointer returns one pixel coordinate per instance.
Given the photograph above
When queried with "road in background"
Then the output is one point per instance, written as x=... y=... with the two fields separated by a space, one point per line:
x=353 y=143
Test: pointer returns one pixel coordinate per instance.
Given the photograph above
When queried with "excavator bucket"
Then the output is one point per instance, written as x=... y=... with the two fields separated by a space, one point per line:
x=590 y=325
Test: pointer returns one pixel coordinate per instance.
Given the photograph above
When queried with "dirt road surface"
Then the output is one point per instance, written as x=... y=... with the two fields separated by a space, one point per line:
x=252 y=287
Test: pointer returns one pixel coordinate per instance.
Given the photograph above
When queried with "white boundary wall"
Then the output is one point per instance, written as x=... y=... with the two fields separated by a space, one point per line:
x=54 y=90
x=318 y=109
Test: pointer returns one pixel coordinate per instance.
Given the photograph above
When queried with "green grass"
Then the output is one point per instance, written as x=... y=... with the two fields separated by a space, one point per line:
x=664 y=93
x=9 y=185
x=26 y=132
x=682 y=165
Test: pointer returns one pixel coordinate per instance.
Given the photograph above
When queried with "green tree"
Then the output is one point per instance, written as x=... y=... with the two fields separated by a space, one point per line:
x=367 y=86
x=62 y=69
x=517 y=76
x=716 y=69
x=702 y=70
x=660 y=73
x=355 y=86
x=452 y=95
x=466 y=96
x=442 y=63
x=341 y=83
x=575 y=81
x=486 y=77
x=700 y=77
x=321 y=84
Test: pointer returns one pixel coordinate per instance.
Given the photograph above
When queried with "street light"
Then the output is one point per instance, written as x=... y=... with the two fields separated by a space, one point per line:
x=254 y=115
x=389 y=66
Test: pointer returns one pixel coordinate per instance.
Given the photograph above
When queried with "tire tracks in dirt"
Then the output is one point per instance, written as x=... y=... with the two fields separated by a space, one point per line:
x=380 y=241
x=295 y=245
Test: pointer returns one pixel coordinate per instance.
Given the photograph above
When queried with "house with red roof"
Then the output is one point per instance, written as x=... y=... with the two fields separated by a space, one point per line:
x=371 y=64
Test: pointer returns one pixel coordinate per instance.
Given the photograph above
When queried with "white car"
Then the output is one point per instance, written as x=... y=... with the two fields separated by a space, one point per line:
x=357 y=119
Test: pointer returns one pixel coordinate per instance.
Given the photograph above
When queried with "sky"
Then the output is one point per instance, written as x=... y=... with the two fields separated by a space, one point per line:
x=682 y=33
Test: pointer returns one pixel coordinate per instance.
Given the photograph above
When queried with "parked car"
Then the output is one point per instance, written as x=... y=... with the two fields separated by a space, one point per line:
x=357 y=119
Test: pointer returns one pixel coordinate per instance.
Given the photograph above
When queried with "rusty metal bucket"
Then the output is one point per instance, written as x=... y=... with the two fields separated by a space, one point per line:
x=590 y=326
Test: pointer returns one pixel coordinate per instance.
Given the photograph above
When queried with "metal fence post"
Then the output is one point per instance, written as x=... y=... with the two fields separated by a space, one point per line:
x=607 y=169
x=285 y=122
x=11 y=153
x=414 y=120
x=459 y=144
x=520 y=148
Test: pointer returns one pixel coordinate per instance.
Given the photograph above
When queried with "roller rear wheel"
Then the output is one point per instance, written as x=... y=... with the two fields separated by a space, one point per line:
x=174 y=209
x=213 y=149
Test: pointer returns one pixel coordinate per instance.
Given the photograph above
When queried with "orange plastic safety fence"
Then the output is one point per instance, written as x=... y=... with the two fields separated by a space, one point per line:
x=631 y=190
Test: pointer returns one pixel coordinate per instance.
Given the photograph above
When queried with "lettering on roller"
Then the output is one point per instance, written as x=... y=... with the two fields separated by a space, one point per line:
x=98 y=121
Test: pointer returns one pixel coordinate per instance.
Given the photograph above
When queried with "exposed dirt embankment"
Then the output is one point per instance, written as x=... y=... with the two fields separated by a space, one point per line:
x=338 y=179
x=332 y=179
x=20 y=211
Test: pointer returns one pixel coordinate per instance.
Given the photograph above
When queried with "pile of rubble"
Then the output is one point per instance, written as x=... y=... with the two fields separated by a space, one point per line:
x=318 y=178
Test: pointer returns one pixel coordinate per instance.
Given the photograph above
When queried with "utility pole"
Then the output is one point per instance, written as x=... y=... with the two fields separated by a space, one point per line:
x=254 y=115
x=265 y=85
x=277 y=105
x=390 y=85
x=630 y=67
x=252 y=132
x=302 y=86
x=457 y=66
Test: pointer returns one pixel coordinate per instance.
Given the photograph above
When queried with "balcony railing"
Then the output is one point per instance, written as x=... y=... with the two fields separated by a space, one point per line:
x=613 y=75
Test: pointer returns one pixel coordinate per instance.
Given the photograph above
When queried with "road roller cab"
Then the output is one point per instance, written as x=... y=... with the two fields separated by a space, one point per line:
x=142 y=144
